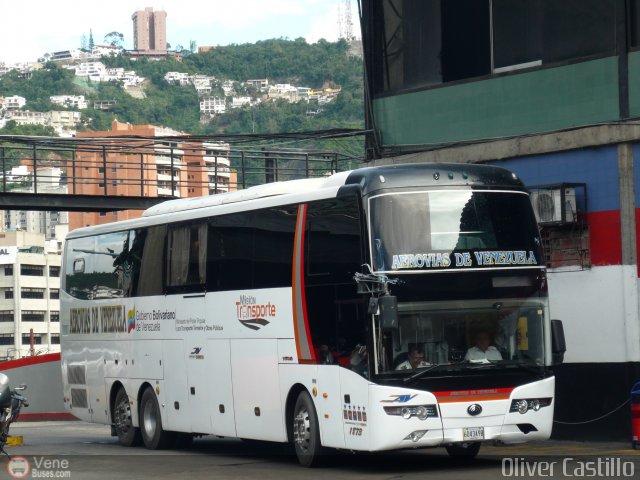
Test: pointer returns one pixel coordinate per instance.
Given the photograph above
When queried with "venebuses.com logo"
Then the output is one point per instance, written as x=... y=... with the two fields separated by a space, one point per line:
x=38 y=467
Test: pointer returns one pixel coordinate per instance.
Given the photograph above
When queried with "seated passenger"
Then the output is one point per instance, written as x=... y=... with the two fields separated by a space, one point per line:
x=359 y=360
x=415 y=360
x=325 y=356
x=483 y=350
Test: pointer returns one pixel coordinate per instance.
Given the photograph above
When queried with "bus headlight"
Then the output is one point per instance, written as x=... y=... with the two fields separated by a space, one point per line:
x=524 y=405
x=421 y=411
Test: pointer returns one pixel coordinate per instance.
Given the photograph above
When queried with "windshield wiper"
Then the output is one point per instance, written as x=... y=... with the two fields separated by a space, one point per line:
x=537 y=370
x=426 y=370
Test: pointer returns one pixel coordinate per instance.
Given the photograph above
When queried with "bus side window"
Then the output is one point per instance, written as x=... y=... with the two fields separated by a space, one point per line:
x=134 y=259
x=251 y=249
x=149 y=281
x=186 y=260
x=333 y=254
x=273 y=246
x=230 y=252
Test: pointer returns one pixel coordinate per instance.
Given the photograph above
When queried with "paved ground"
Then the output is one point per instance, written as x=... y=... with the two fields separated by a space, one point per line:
x=84 y=451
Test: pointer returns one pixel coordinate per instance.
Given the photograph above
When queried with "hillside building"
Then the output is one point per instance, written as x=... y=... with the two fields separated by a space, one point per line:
x=150 y=30
x=211 y=106
x=70 y=101
x=14 y=102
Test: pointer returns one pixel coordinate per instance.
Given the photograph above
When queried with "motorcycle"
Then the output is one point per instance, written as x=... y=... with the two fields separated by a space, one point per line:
x=11 y=402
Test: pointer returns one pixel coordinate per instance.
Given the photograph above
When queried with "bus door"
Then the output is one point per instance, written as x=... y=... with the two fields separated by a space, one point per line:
x=196 y=358
x=186 y=284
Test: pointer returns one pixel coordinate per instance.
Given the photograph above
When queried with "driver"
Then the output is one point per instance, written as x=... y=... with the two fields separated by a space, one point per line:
x=483 y=350
x=415 y=360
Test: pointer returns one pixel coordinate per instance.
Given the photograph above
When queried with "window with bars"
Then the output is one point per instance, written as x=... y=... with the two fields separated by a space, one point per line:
x=34 y=293
x=33 y=316
x=32 y=270
x=26 y=339
x=6 y=316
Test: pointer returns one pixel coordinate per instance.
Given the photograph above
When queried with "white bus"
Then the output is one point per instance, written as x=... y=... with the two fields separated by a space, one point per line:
x=384 y=308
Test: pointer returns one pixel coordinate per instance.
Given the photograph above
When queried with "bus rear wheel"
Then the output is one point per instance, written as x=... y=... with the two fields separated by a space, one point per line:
x=128 y=435
x=466 y=451
x=153 y=436
x=306 y=432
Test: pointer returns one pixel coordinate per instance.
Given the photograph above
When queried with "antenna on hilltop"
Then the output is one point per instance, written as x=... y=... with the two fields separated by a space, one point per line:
x=345 y=23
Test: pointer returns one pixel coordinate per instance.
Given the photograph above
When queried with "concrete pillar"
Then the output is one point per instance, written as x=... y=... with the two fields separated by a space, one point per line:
x=627 y=204
x=629 y=267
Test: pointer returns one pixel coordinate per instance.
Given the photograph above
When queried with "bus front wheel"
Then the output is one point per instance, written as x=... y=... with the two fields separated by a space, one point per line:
x=153 y=436
x=128 y=435
x=306 y=432
x=467 y=451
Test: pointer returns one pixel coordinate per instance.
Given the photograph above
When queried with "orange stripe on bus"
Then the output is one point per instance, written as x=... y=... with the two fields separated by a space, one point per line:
x=473 y=398
x=474 y=395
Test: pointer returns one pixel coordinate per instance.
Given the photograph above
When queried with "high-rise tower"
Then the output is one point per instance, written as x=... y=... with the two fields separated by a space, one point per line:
x=149 y=30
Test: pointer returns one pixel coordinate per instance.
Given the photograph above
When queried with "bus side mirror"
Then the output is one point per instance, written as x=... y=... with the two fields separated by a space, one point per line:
x=558 y=345
x=388 y=305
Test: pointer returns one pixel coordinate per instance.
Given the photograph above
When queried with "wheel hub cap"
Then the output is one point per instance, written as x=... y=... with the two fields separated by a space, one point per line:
x=302 y=429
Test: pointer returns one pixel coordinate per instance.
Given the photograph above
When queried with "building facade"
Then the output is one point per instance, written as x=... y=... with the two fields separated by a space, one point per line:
x=548 y=90
x=52 y=224
x=29 y=295
x=150 y=30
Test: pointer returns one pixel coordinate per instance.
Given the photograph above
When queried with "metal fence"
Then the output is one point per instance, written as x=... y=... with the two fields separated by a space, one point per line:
x=137 y=168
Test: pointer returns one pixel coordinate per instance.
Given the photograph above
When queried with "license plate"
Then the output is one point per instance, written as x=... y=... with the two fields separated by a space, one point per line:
x=473 y=433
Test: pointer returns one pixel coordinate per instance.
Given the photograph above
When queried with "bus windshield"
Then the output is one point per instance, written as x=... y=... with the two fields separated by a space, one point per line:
x=478 y=333
x=477 y=294
x=452 y=229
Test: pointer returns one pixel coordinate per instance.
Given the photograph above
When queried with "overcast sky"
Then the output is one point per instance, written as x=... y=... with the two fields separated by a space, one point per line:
x=31 y=28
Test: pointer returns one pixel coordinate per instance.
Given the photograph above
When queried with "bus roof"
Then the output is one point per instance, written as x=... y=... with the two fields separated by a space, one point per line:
x=369 y=180
x=409 y=175
x=252 y=193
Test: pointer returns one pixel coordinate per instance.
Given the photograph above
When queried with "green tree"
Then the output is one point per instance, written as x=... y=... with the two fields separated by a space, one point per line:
x=115 y=39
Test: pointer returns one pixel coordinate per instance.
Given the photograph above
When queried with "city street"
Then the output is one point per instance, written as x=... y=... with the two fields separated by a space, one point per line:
x=85 y=451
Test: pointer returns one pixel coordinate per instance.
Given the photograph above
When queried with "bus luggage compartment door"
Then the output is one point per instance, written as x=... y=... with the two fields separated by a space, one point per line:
x=176 y=390
x=221 y=392
x=256 y=391
x=210 y=390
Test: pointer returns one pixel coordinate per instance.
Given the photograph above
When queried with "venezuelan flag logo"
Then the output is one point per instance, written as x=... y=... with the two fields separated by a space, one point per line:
x=131 y=319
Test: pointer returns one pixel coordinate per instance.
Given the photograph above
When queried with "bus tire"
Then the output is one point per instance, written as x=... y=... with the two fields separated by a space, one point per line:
x=466 y=451
x=128 y=435
x=306 y=432
x=153 y=436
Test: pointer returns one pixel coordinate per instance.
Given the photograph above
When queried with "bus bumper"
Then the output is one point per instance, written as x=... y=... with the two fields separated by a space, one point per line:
x=454 y=424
